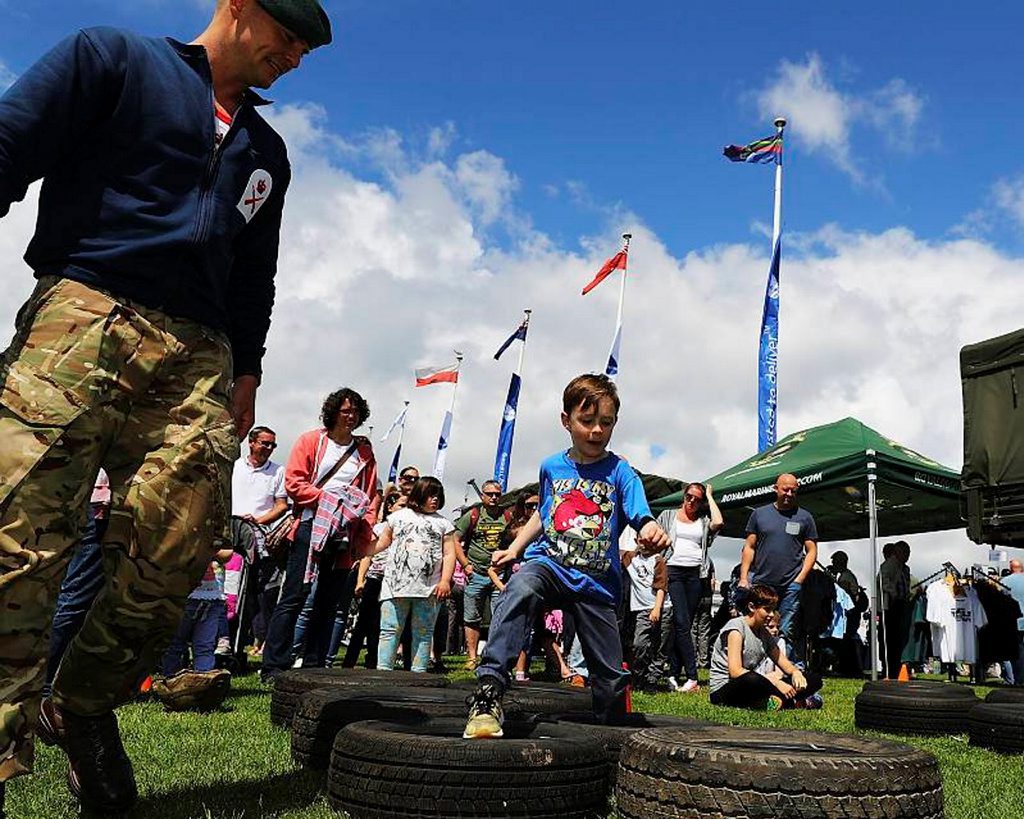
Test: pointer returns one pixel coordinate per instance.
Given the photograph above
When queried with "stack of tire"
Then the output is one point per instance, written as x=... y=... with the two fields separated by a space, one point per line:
x=322 y=713
x=738 y=772
x=290 y=686
x=998 y=723
x=916 y=707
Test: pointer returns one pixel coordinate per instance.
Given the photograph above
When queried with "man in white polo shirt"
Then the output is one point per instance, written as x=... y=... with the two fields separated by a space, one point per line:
x=257 y=493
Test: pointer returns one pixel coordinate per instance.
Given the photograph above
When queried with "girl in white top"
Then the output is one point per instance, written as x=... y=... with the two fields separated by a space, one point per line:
x=420 y=560
x=690 y=528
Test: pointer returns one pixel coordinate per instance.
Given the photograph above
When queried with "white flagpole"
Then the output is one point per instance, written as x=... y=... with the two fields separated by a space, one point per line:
x=522 y=349
x=622 y=298
x=780 y=124
x=446 y=427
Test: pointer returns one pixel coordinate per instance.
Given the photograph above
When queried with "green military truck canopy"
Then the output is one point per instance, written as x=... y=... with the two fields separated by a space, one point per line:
x=833 y=462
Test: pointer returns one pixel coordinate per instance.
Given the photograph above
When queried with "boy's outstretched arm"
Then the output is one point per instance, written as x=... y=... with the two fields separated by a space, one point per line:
x=652 y=537
x=530 y=532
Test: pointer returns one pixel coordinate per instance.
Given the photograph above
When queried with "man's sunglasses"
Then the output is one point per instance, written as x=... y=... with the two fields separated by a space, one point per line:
x=491 y=494
x=406 y=477
x=265 y=444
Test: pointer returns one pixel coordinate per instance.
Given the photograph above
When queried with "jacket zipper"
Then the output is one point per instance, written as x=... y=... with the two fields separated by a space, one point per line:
x=210 y=175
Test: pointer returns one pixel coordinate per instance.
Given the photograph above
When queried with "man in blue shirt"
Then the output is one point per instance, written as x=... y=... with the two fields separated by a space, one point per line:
x=780 y=549
x=140 y=350
x=587 y=496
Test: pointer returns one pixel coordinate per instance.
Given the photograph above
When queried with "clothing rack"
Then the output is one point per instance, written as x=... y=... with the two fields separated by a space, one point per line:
x=946 y=567
x=976 y=573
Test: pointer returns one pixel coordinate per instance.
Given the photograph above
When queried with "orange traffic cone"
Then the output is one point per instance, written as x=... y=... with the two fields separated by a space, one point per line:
x=904 y=673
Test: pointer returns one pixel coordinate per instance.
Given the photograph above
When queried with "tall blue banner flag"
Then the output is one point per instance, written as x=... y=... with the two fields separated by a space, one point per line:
x=503 y=458
x=393 y=472
x=768 y=358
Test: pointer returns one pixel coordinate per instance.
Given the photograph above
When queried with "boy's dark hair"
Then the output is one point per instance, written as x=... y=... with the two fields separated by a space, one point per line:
x=254 y=433
x=333 y=402
x=761 y=595
x=584 y=392
x=423 y=490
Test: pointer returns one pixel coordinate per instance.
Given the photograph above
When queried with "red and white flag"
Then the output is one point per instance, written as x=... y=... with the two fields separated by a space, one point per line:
x=616 y=262
x=437 y=375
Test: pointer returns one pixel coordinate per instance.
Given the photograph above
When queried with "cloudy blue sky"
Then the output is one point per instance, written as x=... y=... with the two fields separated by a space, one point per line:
x=458 y=161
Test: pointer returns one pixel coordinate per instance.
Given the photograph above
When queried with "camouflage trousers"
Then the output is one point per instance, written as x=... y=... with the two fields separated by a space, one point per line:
x=91 y=381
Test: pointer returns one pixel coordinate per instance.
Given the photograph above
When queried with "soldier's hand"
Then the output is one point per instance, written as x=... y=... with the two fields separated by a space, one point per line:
x=243 y=404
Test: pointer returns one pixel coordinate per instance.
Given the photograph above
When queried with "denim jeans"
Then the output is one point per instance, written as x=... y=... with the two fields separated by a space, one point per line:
x=277 y=652
x=789 y=608
x=684 y=589
x=421 y=612
x=82 y=583
x=534 y=588
x=199 y=627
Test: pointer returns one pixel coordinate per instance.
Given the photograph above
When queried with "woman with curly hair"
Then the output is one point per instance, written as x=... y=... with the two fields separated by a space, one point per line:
x=326 y=464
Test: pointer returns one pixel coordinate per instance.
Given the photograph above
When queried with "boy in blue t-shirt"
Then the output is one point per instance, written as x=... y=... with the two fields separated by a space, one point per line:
x=587 y=495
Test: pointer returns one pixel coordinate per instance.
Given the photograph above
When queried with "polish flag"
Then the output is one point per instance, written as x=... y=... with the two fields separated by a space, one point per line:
x=616 y=262
x=437 y=375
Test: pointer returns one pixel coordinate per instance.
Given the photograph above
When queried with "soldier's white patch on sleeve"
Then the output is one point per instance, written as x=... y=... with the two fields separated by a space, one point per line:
x=257 y=191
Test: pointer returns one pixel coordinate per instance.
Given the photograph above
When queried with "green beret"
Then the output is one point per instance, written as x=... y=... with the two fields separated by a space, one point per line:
x=304 y=18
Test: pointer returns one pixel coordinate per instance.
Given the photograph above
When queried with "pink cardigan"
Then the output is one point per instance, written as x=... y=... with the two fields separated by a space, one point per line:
x=300 y=479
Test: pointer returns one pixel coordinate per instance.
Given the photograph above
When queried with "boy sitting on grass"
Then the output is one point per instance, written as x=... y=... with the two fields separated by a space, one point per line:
x=744 y=643
x=586 y=495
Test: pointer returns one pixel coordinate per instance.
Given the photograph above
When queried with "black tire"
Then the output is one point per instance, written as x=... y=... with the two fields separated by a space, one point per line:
x=737 y=772
x=1006 y=695
x=613 y=737
x=539 y=770
x=325 y=711
x=920 y=688
x=999 y=726
x=290 y=685
x=910 y=712
x=526 y=699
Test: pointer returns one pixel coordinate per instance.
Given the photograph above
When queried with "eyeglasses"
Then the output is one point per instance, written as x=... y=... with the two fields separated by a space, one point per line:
x=530 y=505
x=694 y=498
x=350 y=411
x=491 y=494
x=265 y=444
x=406 y=477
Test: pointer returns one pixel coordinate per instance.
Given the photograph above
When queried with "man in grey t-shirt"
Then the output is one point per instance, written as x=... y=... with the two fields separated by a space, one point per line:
x=780 y=550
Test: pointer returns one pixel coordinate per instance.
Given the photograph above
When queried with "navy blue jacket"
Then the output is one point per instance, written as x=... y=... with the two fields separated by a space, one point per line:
x=135 y=199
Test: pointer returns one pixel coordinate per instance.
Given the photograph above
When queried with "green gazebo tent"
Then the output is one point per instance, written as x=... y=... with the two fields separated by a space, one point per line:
x=856 y=482
x=835 y=463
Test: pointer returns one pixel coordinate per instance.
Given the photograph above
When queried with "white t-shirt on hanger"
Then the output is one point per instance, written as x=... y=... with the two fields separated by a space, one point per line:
x=955 y=622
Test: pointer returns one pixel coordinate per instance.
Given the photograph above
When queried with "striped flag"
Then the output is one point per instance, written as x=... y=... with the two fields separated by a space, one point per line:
x=437 y=375
x=763 y=151
x=616 y=262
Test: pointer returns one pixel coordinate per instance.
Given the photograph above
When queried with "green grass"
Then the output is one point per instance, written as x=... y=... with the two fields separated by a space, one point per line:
x=235 y=765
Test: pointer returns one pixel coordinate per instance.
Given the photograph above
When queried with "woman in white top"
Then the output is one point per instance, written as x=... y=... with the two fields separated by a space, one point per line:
x=690 y=528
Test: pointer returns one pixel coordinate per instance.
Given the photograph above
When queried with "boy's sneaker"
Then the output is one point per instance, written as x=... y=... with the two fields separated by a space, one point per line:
x=485 y=714
x=689 y=687
x=774 y=703
x=672 y=683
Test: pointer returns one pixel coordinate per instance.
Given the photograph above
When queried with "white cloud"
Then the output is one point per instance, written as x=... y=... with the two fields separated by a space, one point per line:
x=823 y=117
x=1008 y=195
x=7 y=77
x=378 y=277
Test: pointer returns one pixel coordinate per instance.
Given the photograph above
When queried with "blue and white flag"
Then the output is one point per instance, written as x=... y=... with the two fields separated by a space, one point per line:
x=768 y=358
x=612 y=369
x=442 y=446
x=398 y=422
x=503 y=458
x=393 y=472
x=518 y=335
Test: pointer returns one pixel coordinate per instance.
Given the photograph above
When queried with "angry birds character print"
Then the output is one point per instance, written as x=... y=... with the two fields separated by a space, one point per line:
x=579 y=531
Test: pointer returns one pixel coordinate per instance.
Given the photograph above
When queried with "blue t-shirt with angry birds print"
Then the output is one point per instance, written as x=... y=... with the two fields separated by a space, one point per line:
x=583 y=509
